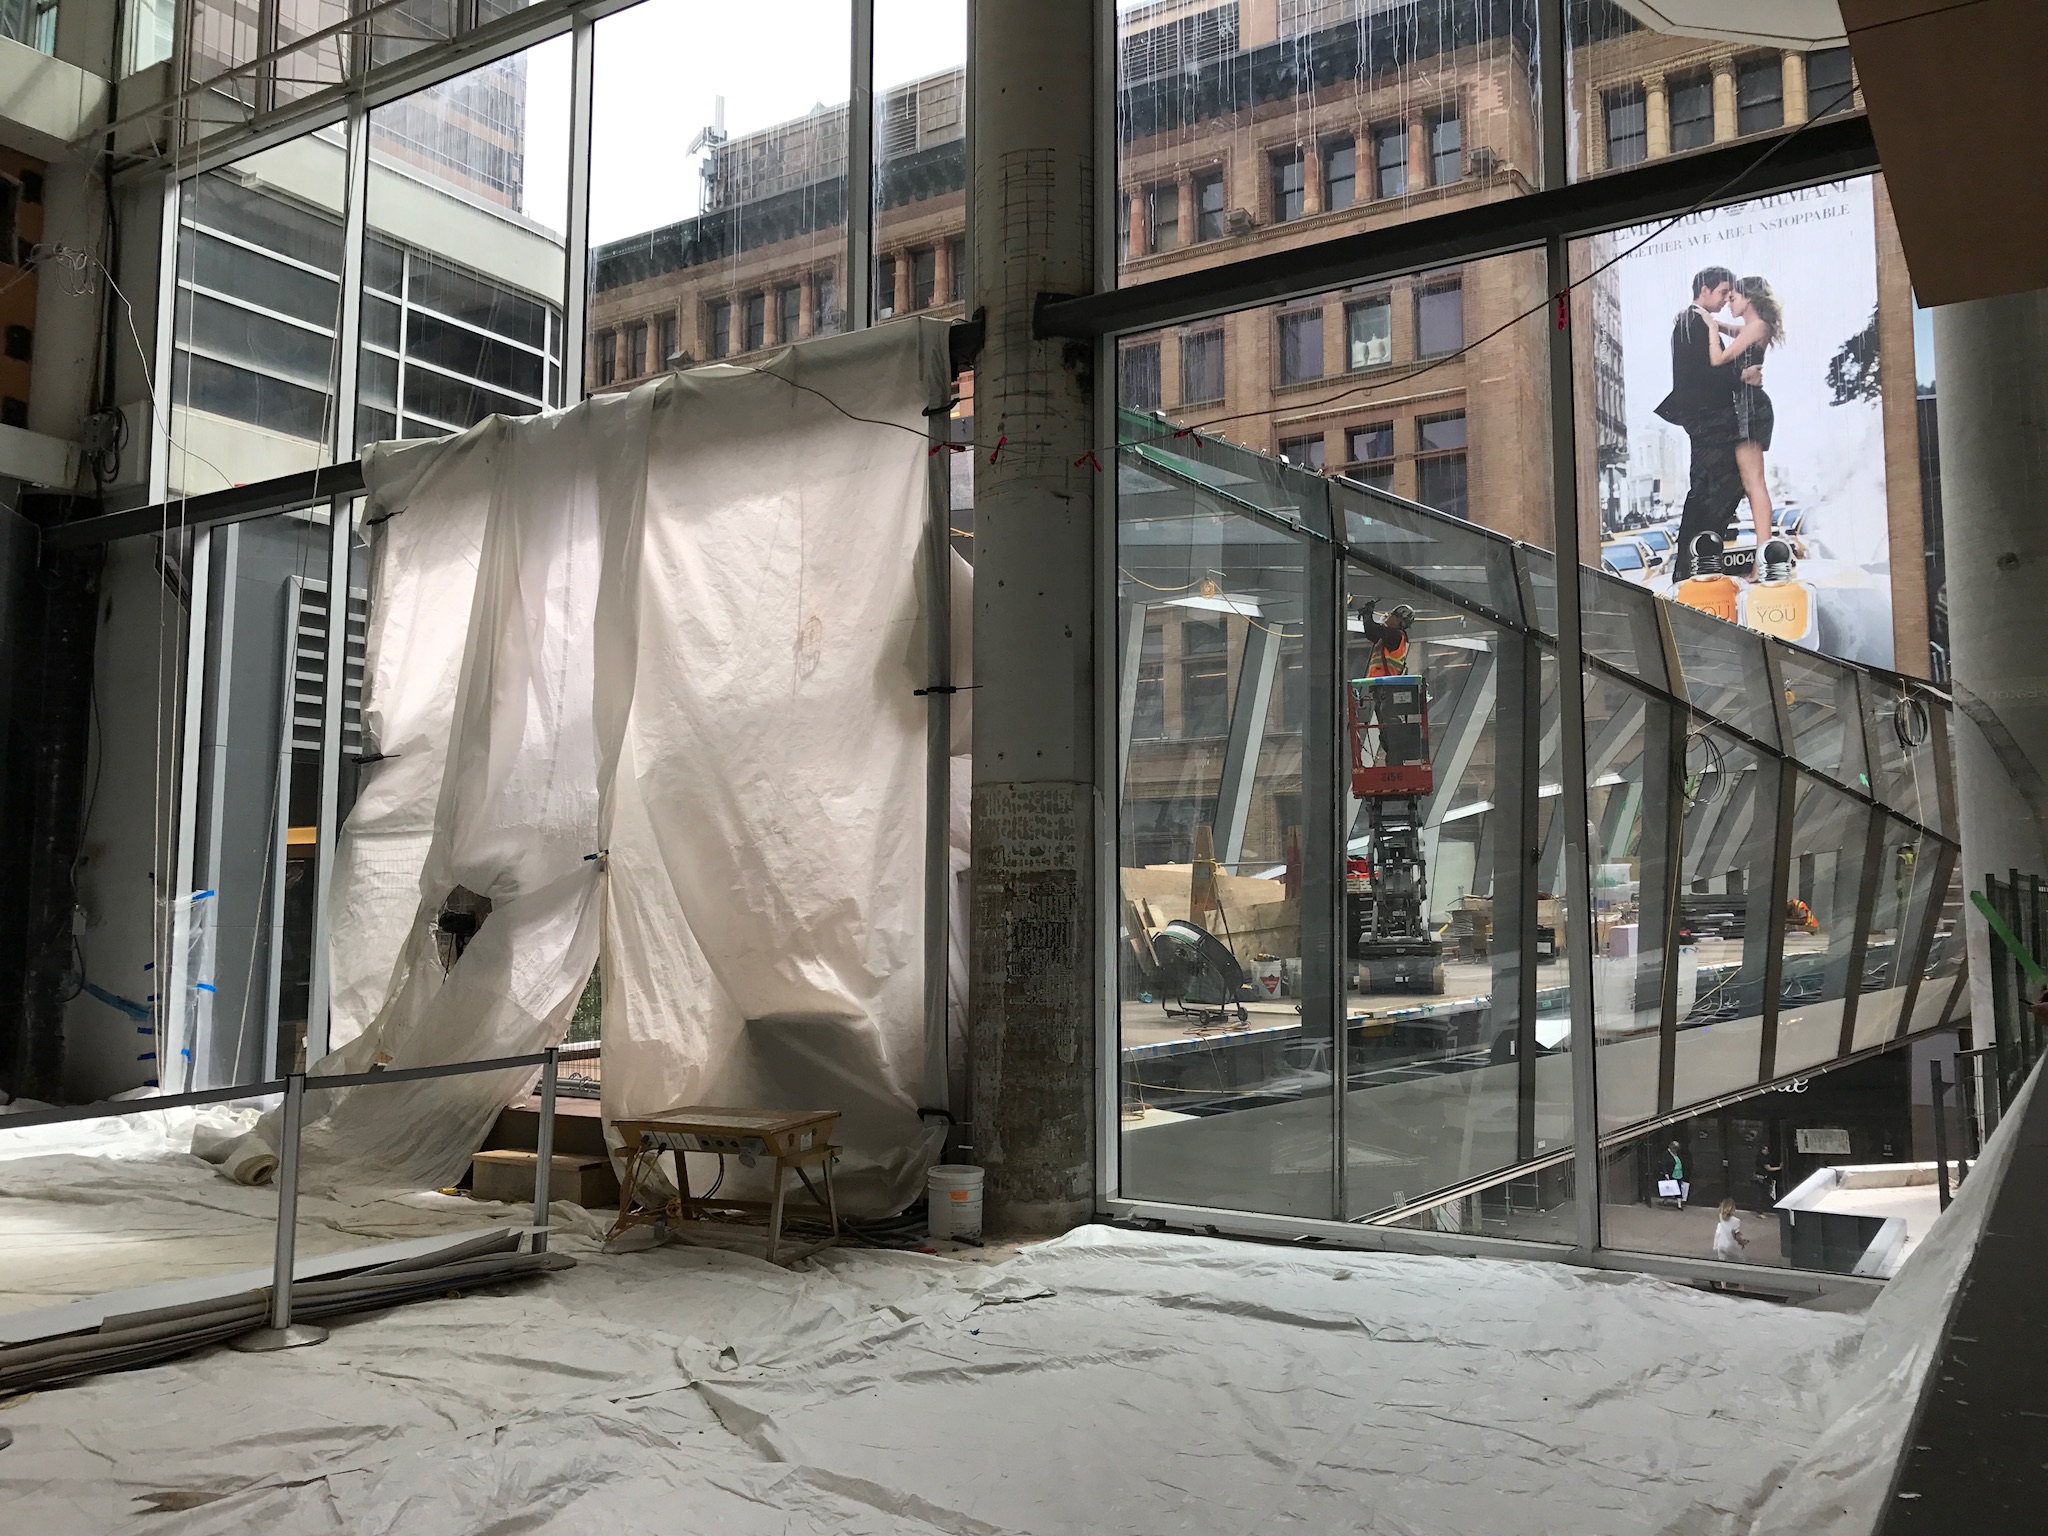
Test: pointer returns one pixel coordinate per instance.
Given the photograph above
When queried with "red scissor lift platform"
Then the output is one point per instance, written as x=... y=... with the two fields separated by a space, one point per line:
x=1387 y=892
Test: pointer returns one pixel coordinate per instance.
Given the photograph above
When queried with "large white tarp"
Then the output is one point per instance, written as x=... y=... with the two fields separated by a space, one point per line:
x=643 y=675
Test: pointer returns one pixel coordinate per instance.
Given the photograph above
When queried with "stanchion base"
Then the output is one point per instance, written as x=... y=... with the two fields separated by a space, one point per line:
x=264 y=1340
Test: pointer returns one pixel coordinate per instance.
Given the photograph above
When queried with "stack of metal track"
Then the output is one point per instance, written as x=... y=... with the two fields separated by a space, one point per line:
x=123 y=1330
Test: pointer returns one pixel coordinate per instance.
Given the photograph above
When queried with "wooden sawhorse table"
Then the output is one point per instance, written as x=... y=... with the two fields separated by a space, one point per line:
x=792 y=1139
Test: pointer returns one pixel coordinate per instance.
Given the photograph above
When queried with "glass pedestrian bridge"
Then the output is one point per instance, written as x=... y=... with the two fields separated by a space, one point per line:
x=1770 y=887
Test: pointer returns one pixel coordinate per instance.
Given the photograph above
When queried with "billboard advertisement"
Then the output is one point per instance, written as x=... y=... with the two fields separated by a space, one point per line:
x=1747 y=343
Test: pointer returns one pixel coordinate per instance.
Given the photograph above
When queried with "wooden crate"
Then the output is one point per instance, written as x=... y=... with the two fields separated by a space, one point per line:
x=581 y=1180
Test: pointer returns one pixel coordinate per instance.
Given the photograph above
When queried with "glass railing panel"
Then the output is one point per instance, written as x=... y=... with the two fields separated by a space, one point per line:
x=1826 y=716
x=1824 y=879
x=1725 y=675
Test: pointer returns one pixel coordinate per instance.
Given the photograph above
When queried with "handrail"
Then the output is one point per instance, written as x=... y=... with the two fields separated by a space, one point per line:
x=103 y=1109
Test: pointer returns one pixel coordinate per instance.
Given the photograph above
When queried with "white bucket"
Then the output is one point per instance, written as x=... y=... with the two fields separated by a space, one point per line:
x=1266 y=972
x=953 y=1193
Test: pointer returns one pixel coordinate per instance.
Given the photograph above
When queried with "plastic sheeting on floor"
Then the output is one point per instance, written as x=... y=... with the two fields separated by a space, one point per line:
x=646 y=667
x=1106 y=1382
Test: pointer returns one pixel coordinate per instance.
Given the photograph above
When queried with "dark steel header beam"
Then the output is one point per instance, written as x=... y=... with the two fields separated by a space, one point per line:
x=1828 y=150
x=235 y=504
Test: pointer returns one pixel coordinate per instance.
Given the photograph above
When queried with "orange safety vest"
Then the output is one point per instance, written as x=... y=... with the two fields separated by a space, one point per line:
x=1389 y=661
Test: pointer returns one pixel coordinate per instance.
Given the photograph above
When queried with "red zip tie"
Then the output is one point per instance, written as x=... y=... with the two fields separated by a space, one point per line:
x=997 y=449
x=937 y=448
x=1189 y=432
x=1089 y=458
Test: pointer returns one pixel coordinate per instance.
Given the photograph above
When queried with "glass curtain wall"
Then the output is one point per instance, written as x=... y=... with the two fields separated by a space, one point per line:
x=1244 y=128
x=737 y=243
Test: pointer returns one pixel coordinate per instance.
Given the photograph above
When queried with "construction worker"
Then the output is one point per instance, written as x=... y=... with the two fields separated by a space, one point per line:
x=1389 y=637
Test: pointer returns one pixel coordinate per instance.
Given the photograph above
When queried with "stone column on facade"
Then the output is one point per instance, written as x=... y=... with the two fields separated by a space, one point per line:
x=942 y=271
x=736 y=336
x=1794 y=75
x=1035 y=1005
x=1656 y=117
x=1594 y=153
x=1991 y=380
x=1418 y=152
x=902 y=283
x=807 y=305
x=1312 y=177
x=1724 y=97
x=1190 y=215
x=1140 y=231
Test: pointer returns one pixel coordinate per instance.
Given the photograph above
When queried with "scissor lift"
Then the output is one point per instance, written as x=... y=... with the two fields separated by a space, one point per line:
x=1387 y=892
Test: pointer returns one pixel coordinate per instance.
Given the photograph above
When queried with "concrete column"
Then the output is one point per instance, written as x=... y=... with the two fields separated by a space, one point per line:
x=942 y=271
x=903 y=282
x=1190 y=215
x=1796 y=107
x=1034 y=1001
x=1312 y=177
x=1724 y=98
x=1991 y=373
x=1418 y=152
x=807 y=306
x=737 y=332
x=1141 y=222
x=1657 y=116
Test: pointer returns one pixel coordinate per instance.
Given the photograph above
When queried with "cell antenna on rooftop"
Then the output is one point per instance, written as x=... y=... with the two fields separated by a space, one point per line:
x=714 y=135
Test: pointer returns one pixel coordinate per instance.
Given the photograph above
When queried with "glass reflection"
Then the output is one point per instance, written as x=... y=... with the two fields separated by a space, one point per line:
x=1729 y=834
x=1226 y=1087
x=1829 y=833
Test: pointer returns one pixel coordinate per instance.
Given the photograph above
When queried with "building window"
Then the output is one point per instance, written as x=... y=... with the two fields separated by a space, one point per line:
x=1371 y=451
x=924 y=278
x=664 y=339
x=1439 y=319
x=636 y=349
x=1148 y=704
x=1390 y=160
x=1209 y=223
x=1162 y=217
x=956 y=267
x=1289 y=182
x=1204 y=678
x=1760 y=95
x=607 y=345
x=826 y=318
x=1628 y=126
x=1692 y=112
x=756 y=322
x=1301 y=346
x=1830 y=82
x=1138 y=376
x=1340 y=174
x=885 y=287
x=1307 y=452
x=718 y=327
x=1201 y=366
x=1440 y=479
x=1446 y=149
x=1368 y=333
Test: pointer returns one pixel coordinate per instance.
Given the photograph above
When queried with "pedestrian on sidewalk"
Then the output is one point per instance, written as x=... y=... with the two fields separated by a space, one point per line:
x=1728 y=1239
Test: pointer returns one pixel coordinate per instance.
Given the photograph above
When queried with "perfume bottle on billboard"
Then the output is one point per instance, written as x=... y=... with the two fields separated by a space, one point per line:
x=1708 y=588
x=1781 y=602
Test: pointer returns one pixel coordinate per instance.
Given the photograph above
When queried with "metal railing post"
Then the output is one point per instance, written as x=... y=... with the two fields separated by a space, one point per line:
x=283 y=1333
x=544 y=1147
x=1940 y=1130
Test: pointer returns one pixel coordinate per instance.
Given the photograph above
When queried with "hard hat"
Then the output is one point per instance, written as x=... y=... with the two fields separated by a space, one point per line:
x=1401 y=614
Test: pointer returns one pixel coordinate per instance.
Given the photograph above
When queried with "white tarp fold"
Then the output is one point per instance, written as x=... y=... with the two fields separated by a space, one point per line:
x=646 y=669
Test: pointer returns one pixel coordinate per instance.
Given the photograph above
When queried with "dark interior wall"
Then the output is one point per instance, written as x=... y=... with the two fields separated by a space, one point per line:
x=19 y=653
x=49 y=626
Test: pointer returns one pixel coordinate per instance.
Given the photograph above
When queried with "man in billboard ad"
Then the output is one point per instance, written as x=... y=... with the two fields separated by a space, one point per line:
x=1755 y=433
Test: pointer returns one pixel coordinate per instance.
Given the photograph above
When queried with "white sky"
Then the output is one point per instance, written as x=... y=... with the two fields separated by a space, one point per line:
x=659 y=68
